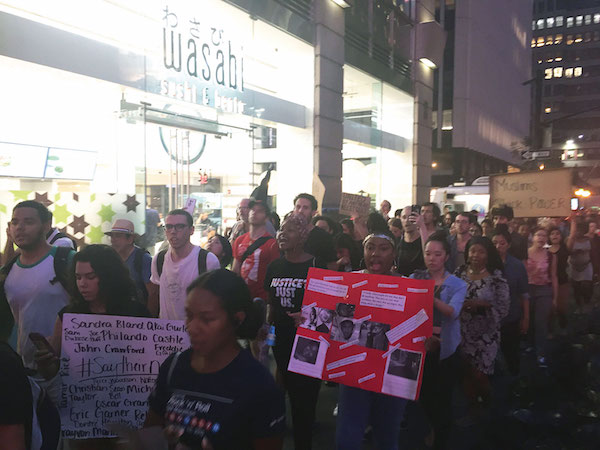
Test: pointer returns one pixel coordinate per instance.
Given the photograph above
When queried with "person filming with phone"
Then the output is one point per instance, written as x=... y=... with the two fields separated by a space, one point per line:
x=410 y=247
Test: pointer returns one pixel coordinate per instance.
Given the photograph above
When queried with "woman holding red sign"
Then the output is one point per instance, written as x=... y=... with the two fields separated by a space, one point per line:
x=358 y=408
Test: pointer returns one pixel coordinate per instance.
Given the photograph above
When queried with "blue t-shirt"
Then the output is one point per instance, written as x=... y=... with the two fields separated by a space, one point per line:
x=140 y=277
x=231 y=407
x=518 y=285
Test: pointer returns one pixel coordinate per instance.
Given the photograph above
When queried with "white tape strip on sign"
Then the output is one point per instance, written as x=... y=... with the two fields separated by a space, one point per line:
x=419 y=339
x=359 y=284
x=367 y=378
x=407 y=327
x=336 y=375
x=333 y=278
x=346 y=361
x=328 y=288
x=417 y=291
x=324 y=341
x=349 y=344
x=390 y=286
x=390 y=350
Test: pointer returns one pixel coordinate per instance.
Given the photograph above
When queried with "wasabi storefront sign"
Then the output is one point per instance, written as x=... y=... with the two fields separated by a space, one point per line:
x=201 y=62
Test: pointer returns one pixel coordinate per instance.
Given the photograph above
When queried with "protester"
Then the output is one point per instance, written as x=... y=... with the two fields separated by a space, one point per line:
x=525 y=232
x=442 y=362
x=516 y=321
x=358 y=408
x=285 y=281
x=395 y=226
x=580 y=264
x=349 y=255
x=487 y=228
x=431 y=216
x=34 y=282
x=384 y=209
x=215 y=377
x=241 y=226
x=518 y=247
x=449 y=218
x=376 y=222
x=410 y=249
x=347 y=227
x=327 y=223
x=475 y=229
x=458 y=242
x=220 y=247
x=173 y=270
x=559 y=249
x=319 y=242
x=139 y=262
x=486 y=304
x=543 y=289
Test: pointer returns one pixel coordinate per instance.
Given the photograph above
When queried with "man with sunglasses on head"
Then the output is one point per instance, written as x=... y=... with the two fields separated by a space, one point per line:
x=174 y=269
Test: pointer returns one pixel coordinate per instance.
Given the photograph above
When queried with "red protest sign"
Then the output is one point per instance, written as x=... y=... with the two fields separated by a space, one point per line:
x=366 y=331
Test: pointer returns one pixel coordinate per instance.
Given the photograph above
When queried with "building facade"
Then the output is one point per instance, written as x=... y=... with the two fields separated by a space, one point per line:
x=482 y=108
x=130 y=105
x=566 y=64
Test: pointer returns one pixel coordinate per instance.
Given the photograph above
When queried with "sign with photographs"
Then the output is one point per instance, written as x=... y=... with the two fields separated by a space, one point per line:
x=366 y=331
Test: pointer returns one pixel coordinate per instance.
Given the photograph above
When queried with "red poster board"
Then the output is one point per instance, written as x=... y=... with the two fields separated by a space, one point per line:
x=366 y=331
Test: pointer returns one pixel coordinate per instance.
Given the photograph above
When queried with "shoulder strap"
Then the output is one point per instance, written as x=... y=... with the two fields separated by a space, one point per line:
x=160 y=262
x=61 y=264
x=172 y=368
x=256 y=244
x=202 y=255
x=6 y=269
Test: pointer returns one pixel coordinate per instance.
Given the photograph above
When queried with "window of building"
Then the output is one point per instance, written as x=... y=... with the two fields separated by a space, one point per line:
x=558 y=39
x=569 y=22
x=569 y=39
x=596 y=35
x=588 y=19
x=533 y=25
x=587 y=37
x=549 y=39
x=550 y=22
x=557 y=72
x=559 y=21
x=549 y=60
x=569 y=72
x=579 y=21
x=556 y=106
x=597 y=18
x=540 y=41
x=578 y=38
x=548 y=74
x=577 y=72
x=532 y=42
x=547 y=110
x=540 y=24
x=558 y=57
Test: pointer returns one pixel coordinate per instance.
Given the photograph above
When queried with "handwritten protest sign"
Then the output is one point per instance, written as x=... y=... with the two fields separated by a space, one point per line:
x=352 y=204
x=533 y=194
x=108 y=367
x=366 y=331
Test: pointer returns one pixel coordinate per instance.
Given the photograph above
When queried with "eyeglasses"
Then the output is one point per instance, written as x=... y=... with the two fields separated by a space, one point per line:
x=176 y=227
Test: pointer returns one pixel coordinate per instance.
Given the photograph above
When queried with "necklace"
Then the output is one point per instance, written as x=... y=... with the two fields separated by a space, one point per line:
x=472 y=272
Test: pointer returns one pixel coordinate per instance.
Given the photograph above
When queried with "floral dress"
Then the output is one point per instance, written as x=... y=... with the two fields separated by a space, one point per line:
x=481 y=329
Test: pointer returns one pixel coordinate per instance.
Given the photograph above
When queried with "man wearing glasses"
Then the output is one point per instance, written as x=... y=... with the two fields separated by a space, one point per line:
x=174 y=269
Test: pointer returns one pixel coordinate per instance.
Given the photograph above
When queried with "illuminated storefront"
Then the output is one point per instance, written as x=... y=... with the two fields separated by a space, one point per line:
x=157 y=100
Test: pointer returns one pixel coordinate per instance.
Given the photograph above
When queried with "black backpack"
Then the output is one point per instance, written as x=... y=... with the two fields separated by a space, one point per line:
x=60 y=235
x=202 y=255
x=61 y=266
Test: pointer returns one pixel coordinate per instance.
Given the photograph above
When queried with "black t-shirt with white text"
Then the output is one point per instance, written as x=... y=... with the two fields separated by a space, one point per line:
x=231 y=408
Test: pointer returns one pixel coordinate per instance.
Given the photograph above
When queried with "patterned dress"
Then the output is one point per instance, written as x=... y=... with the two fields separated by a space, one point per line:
x=481 y=330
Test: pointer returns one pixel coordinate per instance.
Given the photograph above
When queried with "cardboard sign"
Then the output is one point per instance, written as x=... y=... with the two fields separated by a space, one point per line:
x=355 y=205
x=545 y=193
x=108 y=367
x=366 y=331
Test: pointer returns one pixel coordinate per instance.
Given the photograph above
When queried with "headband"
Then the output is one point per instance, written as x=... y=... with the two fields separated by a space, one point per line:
x=380 y=235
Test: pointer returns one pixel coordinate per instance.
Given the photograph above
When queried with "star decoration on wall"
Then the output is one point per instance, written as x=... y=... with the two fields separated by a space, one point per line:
x=131 y=203
x=61 y=214
x=106 y=213
x=20 y=195
x=43 y=199
x=95 y=235
x=79 y=224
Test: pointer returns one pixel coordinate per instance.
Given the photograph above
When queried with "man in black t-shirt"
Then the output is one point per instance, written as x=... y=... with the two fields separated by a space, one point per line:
x=15 y=391
x=319 y=242
x=410 y=248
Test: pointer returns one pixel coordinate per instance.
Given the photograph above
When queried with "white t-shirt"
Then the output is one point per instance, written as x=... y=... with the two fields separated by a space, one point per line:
x=61 y=241
x=34 y=301
x=174 y=280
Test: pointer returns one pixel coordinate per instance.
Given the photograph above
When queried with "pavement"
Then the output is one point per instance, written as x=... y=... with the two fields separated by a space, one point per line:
x=552 y=407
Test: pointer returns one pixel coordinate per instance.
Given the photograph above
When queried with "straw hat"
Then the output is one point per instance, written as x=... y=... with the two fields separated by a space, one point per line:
x=122 y=226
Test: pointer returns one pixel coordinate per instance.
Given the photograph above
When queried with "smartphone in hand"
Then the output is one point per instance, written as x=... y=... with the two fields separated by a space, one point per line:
x=40 y=342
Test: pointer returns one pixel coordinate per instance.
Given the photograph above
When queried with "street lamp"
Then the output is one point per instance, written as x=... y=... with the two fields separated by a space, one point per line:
x=582 y=193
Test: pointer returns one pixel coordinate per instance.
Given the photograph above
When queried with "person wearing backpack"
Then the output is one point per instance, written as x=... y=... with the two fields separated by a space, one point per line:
x=138 y=260
x=174 y=269
x=34 y=282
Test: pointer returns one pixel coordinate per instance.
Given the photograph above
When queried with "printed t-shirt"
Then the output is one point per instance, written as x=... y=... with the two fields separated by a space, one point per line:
x=254 y=267
x=174 y=280
x=320 y=244
x=234 y=406
x=34 y=301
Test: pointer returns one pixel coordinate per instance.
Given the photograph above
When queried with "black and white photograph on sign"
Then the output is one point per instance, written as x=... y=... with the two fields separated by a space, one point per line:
x=325 y=320
x=310 y=318
x=344 y=329
x=372 y=335
x=306 y=350
x=405 y=364
x=345 y=310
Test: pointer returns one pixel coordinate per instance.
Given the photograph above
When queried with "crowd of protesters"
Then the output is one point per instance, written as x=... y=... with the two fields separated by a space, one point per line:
x=498 y=282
